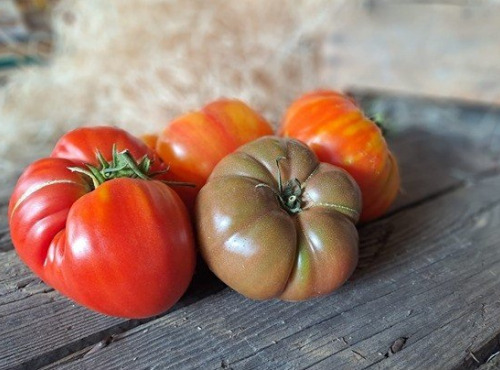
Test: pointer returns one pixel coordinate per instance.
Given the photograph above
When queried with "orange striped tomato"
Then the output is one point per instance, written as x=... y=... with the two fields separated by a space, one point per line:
x=336 y=129
x=191 y=145
x=150 y=140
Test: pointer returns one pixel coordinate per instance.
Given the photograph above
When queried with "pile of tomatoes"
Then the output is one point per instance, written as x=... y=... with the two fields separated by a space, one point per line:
x=115 y=222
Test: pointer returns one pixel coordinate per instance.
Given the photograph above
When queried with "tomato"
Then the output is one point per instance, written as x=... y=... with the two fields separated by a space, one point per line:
x=150 y=140
x=339 y=133
x=115 y=241
x=191 y=145
x=274 y=222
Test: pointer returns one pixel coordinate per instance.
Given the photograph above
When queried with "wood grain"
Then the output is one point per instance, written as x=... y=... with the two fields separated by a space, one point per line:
x=40 y=326
x=405 y=258
x=5 y=242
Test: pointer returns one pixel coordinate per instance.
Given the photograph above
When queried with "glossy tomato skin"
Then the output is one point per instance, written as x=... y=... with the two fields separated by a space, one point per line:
x=260 y=249
x=191 y=145
x=124 y=248
x=339 y=133
x=150 y=140
x=82 y=144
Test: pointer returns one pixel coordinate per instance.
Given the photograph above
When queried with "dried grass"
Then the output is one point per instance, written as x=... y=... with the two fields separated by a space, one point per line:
x=137 y=64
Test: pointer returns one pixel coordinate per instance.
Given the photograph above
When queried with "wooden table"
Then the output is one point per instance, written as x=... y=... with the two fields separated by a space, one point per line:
x=426 y=294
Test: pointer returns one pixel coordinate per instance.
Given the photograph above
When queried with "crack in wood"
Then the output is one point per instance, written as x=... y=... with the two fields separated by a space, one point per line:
x=224 y=364
x=486 y=353
x=493 y=356
x=396 y=346
x=100 y=345
x=45 y=290
x=23 y=283
x=358 y=354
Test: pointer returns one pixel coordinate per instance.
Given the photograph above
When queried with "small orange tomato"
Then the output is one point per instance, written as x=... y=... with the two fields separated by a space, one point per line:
x=191 y=145
x=336 y=129
x=150 y=140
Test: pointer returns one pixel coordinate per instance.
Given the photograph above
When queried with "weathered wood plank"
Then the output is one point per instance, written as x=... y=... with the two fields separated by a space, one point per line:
x=5 y=241
x=39 y=326
x=5 y=191
x=433 y=162
x=432 y=286
x=35 y=320
x=456 y=118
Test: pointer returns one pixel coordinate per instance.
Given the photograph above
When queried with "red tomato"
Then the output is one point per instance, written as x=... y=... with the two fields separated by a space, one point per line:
x=124 y=246
x=194 y=143
x=339 y=133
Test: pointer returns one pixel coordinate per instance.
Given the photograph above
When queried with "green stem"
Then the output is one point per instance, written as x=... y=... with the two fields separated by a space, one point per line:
x=289 y=196
x=95 y=180
x=122 y=165
x=379 y=120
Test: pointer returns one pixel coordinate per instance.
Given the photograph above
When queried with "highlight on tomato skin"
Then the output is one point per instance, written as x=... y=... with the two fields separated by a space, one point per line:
x=336 y=129
x=100 y=229
x=192 y=144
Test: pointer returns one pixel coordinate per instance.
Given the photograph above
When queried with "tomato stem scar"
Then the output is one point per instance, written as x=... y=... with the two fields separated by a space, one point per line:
x=289 y=196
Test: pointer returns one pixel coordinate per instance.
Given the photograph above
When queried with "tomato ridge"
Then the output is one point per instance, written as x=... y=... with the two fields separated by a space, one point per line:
x=38 y=187
x=355 y=214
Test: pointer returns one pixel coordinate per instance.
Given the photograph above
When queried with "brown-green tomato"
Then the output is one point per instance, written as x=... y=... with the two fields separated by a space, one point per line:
x=274 y=222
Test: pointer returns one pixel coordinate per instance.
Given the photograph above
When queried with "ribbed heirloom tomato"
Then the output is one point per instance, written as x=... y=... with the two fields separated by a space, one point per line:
x=339 y=133
x=191 y=145
x=273 y=221
x=92 y=223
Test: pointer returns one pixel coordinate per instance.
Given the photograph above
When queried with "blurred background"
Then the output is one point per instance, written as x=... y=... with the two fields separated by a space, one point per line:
x=25 y=33
x=444 y=49
x=438 y=48
x=138 y=64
